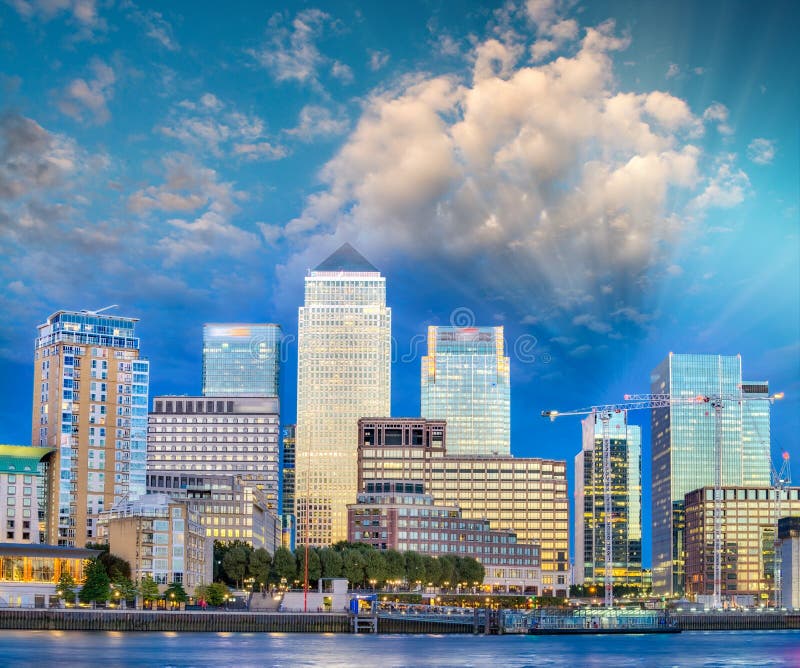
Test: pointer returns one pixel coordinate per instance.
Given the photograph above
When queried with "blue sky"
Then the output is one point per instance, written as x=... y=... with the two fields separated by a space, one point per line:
x=610 y=181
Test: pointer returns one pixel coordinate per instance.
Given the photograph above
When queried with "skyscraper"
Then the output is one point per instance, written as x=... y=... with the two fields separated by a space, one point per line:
x=287 y=486
x=90 y=403
x=626 y=499
x=683 y=447
x=241 y=359
x=466 y=381
x=343 y=374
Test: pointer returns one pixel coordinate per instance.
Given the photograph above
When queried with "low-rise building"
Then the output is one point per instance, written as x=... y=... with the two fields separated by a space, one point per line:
x=161 y=537
x=26 y=488
x=748 y=541
x=29 y=572
x=789 y=536
x=526 y=495
x=399 y=515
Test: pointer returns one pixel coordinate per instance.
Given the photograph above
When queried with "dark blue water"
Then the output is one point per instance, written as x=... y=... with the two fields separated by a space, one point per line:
x=108 y=649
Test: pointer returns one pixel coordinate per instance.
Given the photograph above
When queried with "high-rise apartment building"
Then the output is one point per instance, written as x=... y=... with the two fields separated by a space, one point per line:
x=748 y=541
x=221 y=453
x=683 y=447
x=789 y=537
x=466 y=381
x=526 y=495
x=26 y=483
x=343 y=373
x=90 y=403
x=241 y=359
x=626 y=499
x=287 y=486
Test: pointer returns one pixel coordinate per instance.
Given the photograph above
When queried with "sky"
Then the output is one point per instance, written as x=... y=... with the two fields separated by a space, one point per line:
x=610 y=181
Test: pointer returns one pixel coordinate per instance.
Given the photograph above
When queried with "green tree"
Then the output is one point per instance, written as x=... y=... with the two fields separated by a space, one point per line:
x=375 y=567
x=221 y=550
x=395 y=565
x=66 y=587
x=353 y=563
x=331 y=561
x=127 y=589
x=433 y=570
x=415 y=568
x=176 y=594
x=283 y=565
x=448 y=565
x=215 y=593
x=96 y=588
x=259 y=566
x=471 y=571
x=234 y=564
x=148 y=588
x=314 y=564
x=116 y=567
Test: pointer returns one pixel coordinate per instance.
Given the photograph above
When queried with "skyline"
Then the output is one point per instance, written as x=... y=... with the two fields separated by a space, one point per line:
x=646 y=203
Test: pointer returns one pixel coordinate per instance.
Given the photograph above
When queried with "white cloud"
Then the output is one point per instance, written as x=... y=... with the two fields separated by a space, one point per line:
x=82 y=11
x=761 y=151
x=91 y=96
x=377 y=60
x=724 y=189
x=156 y=27
x=291 y=53
x=315 y=121
x=342 y=72
x=672 y=71
x=718 y=113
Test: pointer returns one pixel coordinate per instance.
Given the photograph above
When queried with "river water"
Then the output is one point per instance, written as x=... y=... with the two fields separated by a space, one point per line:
x=686 y=650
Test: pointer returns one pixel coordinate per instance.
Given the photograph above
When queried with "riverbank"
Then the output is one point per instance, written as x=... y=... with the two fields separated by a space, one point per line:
x=279 y=622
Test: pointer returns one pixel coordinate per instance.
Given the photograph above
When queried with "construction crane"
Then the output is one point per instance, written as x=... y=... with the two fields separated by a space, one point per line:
x=649 y=401
x=780 y=480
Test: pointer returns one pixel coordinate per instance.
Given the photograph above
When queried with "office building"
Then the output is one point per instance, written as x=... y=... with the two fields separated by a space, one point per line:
x=90 y=404
x=399 y=515
x=789 y=536
x=748 y=541
x=626 y=499
x=524 y=495
x=343 y=373
x=26 y=488
x=466 y=381
x=222 y=453
x=160 y=537
x=683 y=446
x=241 y=359
x=288 y=526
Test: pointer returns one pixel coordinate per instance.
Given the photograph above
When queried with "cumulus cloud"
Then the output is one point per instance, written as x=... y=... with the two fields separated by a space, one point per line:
x=551 y=187
x=761 y=151
x=377 y=60
x=209 y=125
x=88 y=98
x=315 y=121
x=717 y=113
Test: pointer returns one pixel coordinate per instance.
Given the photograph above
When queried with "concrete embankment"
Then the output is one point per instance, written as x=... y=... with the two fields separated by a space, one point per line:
x=747 y=621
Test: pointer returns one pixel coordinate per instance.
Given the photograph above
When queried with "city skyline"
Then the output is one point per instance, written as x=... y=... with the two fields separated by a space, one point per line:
x=201 y=175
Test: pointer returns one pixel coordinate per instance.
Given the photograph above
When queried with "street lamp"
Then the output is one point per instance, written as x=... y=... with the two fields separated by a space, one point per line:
x=172 y=600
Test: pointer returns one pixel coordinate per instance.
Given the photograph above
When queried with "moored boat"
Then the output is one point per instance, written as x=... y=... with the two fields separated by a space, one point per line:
x=582 y=621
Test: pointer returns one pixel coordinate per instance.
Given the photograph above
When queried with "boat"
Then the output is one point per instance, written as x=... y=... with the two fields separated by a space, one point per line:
x=585 y=621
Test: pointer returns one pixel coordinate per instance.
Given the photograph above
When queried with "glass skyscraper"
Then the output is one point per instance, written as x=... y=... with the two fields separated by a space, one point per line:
x=683 y=446
x=90 y=403
x=466 y=381
x=241 y=359
x=343 y=374
x=626 y=499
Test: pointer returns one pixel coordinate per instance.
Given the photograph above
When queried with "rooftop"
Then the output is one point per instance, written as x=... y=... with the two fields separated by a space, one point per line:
x=346 y=258
x=22 y=458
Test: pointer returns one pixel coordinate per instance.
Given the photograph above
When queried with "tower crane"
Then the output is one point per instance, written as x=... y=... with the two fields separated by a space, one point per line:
x=649 y=401
x=780 y=480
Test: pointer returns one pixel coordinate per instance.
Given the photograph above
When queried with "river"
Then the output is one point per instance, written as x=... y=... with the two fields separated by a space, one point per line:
x=709 y=649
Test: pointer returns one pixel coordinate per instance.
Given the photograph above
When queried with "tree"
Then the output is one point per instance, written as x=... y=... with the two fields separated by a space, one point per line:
x=215 y=593
x=283 y=565
x=353 y=566
x=375 y=567
x=221 y=550
x=470 y=571
x=259 y=566
x=395 y=565
x=331 y=561
x=314 y=564
x=433 y=570
x=175 y=593
x=234 y=563
x=96 y=587
x=127 y=589
x=448 y=565
x=415 y=568
x=66 y=587
x=116 y=567
x=148 y=588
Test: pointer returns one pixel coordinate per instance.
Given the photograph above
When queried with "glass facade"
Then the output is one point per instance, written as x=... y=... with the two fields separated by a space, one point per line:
x=683 y=446
x=466 y=381
x=343 y=374
x=241 y=359
x=90 y=400
x=626 y=495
